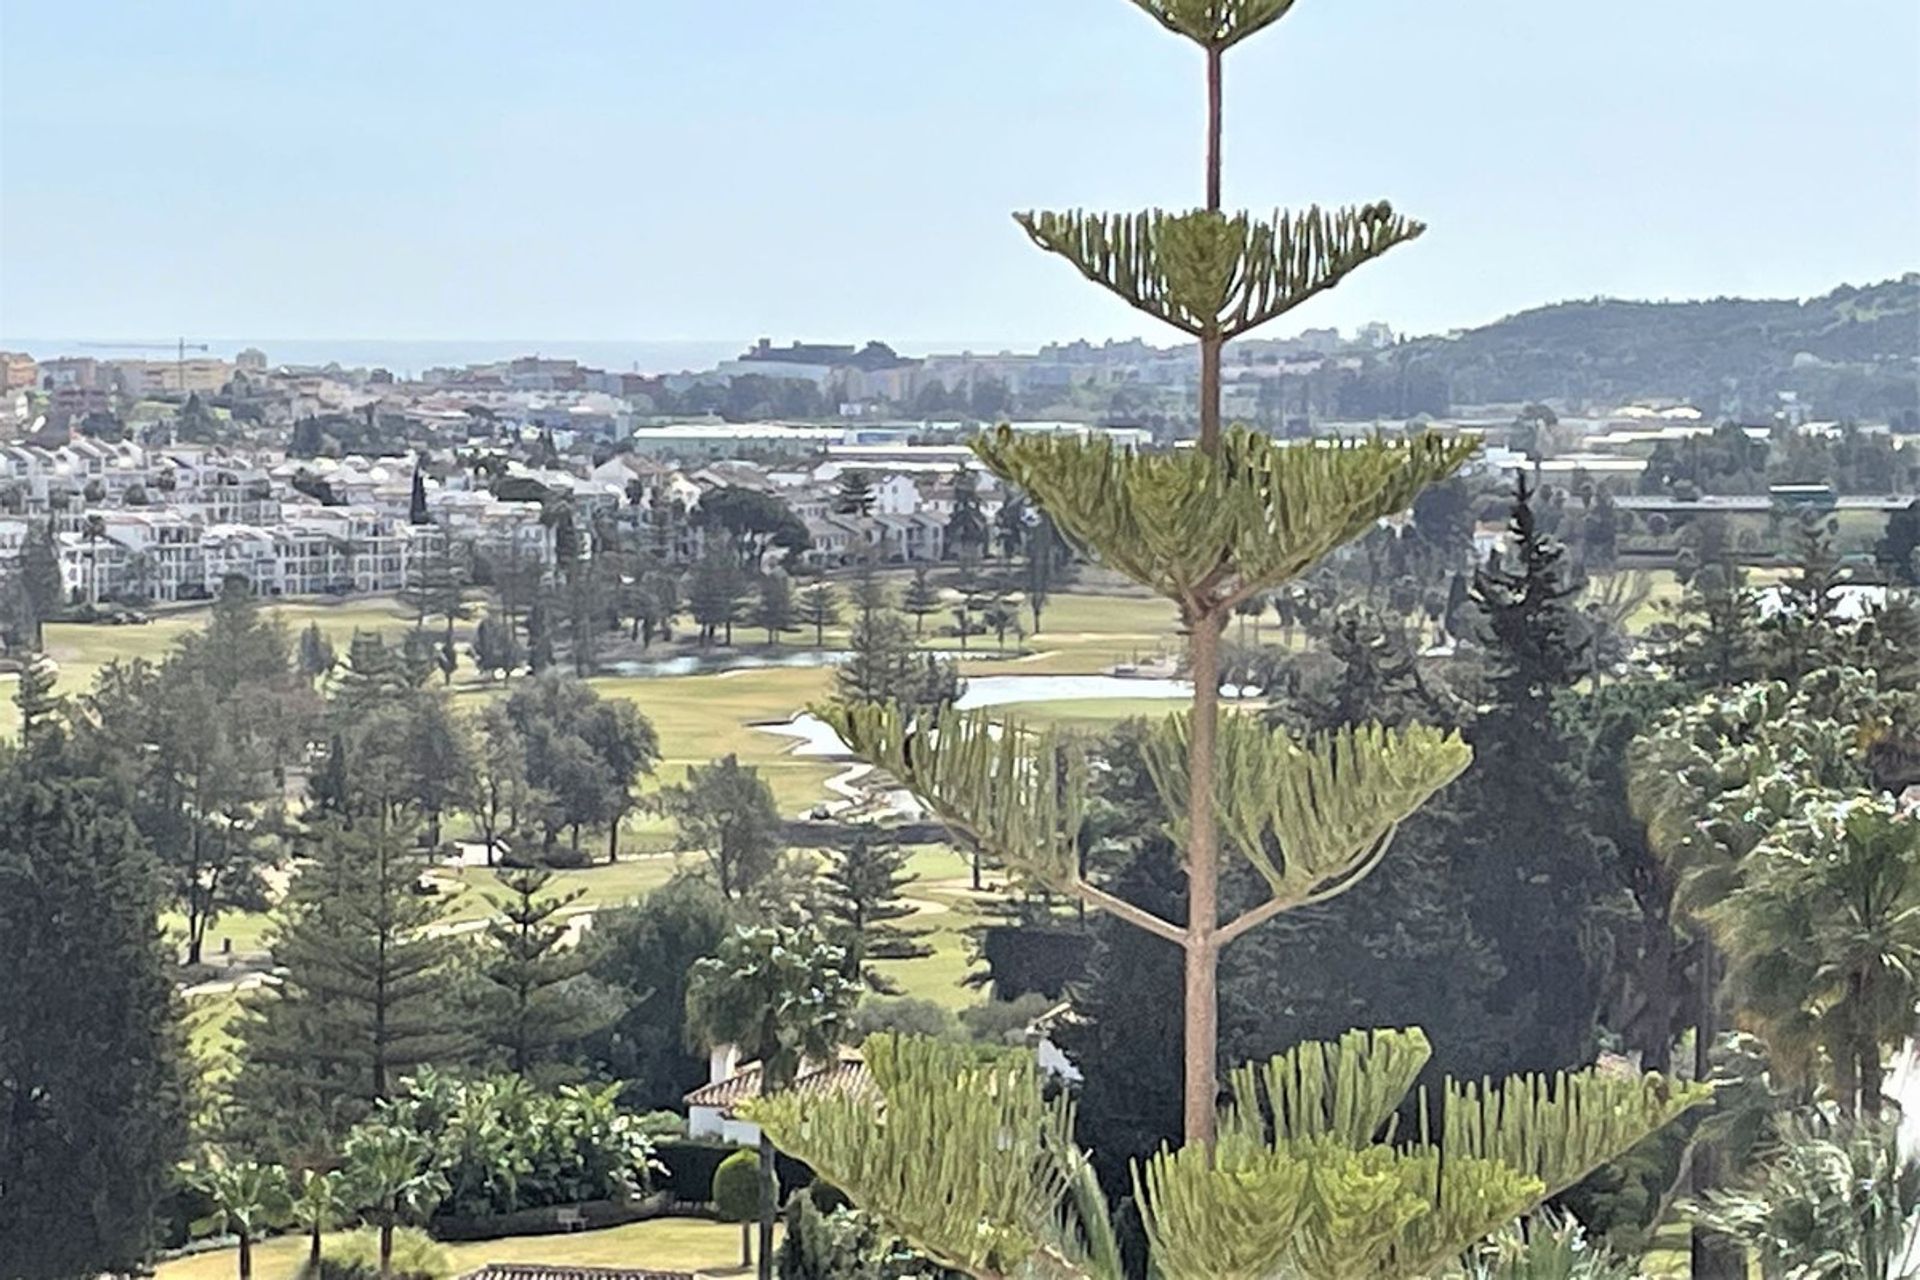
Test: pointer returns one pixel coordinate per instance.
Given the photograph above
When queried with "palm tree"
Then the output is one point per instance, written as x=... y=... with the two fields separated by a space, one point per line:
x=1831 y=1200
x=390 y=1176
x=1822 y=939
x=93 y=530
x=319 y=1203
x=780 y=996
x=247 y=1199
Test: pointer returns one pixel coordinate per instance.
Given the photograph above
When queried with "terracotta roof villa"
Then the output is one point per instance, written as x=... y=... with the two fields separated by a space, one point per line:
x=539 y=1271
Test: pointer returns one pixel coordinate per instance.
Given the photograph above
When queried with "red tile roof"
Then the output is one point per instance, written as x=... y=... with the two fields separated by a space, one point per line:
x=847 y=1074
x=540 y=1271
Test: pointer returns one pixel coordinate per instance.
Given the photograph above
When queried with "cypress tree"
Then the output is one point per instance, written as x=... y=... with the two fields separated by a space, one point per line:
x=774 y=610
x=92 y=1101
x=317 y=657
x=1539 y=881
x=42 y=586
x=967 y=525
x=417 y=501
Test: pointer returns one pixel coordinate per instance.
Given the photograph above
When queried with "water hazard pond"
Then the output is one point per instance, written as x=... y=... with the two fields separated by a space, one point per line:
x=816 y=738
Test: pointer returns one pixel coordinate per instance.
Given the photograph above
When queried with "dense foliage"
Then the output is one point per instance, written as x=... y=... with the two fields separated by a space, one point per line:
x=503 y=1145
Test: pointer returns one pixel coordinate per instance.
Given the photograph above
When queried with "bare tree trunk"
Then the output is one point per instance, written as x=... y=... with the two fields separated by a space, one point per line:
x=1202 y=1030
x=246 y=1256
x=1214 y=69
x=769 y=1194
x=1712 y=1257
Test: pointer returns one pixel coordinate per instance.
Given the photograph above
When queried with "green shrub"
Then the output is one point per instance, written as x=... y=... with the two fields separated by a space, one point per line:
x=356 y=1256
x=904 y=1015
x=845 y=1244
x=736 y=1187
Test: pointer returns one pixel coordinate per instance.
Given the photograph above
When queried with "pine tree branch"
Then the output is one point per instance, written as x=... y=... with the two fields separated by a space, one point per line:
x=1280 y=905
x=1121 y=909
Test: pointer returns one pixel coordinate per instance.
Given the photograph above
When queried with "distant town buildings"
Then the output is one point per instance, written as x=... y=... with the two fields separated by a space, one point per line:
x=158 y=479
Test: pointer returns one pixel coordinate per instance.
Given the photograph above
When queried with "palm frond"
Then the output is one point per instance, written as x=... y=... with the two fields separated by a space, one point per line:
x=1207 y=530
x=1215 y=274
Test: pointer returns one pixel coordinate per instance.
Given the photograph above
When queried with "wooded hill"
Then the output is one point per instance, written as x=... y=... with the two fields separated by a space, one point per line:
x=1852 y=353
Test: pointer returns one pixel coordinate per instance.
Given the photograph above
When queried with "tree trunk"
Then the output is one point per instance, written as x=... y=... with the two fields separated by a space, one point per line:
x=1214 y=66
x=746 y=1245
x=386 y=1251
x=1712 y=1257
x=313 y=1252
x=769 y=1193
x=246 y=1256
x=1872 y=1101
x=1201 y=1047
x=613 y=839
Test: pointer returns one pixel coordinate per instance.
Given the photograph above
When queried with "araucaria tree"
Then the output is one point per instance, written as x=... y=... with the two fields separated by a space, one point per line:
x=537 y=993
x=363 y=995
x=1209 y=528
x=863 y=885
x=972 y=1165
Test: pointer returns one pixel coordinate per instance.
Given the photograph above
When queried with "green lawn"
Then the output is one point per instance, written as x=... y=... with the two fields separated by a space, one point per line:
x=603 y=885
x=679 y=1244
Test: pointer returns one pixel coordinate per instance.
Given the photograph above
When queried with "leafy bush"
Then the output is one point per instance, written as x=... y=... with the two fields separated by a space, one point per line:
x=356 y=1256
x=1832 y=1199
x=1004 y=1021
x=660 y=1125
x=904 y=1015
x=504 y=1146
x=1547 y=1248
x=845 y=1244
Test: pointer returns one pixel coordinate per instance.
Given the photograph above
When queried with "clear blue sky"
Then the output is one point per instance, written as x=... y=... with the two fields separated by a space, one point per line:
x=844 y=168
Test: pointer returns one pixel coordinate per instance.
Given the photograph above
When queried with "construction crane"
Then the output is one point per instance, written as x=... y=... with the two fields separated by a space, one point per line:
x=179 y=347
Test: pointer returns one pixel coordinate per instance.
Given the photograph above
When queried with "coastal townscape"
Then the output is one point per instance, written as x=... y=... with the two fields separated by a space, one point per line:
x=1267 y=800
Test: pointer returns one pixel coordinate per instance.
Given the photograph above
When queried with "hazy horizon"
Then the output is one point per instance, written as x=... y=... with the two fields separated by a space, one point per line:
x=651 y=355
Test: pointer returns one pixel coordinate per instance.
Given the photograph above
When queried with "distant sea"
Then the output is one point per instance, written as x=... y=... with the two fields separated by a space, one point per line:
x=410 y=357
